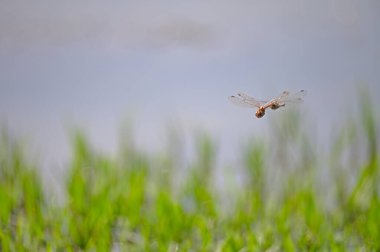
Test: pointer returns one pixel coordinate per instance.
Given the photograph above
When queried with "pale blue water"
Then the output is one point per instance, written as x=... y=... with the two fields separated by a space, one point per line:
x=94 y=64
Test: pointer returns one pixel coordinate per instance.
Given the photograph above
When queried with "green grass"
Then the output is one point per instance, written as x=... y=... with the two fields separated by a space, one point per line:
x=295 y=197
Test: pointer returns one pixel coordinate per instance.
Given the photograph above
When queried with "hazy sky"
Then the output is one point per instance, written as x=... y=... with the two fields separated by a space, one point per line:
x=95 y=63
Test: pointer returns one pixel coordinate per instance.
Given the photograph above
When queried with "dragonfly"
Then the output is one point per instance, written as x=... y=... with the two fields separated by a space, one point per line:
x=244 y=100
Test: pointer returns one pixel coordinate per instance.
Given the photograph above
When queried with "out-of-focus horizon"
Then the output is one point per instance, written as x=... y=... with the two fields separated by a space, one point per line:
x=93 y=64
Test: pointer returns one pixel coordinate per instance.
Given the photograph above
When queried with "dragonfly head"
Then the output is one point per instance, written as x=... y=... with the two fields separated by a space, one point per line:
x=260 y=112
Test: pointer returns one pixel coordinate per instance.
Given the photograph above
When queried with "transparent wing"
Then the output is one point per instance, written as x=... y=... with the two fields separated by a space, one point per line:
x=240 y=102
x=250 y=98
x=293 y=98
x=244 y=100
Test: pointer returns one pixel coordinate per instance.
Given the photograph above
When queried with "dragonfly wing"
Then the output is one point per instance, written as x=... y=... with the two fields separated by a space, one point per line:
x=240 y=101
x=282 y=97
x=294 y=98
x=250 y=98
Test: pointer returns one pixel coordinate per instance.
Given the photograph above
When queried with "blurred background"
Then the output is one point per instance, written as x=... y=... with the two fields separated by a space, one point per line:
x=122 y=107
x=95 y=65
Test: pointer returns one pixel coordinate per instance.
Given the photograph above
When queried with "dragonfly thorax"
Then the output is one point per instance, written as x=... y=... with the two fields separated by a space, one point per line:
x=276 y=105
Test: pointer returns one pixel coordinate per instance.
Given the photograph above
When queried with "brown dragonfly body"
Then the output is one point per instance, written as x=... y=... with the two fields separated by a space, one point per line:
x=245 y=100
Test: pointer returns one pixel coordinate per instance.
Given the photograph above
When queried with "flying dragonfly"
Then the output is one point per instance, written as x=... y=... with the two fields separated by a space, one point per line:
x=244 y=100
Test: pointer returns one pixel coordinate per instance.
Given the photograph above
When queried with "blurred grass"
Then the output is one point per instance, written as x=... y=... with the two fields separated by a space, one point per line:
x=132 y=203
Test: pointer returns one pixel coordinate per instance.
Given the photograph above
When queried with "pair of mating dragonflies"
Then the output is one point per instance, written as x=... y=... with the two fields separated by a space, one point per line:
x=245 y=100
